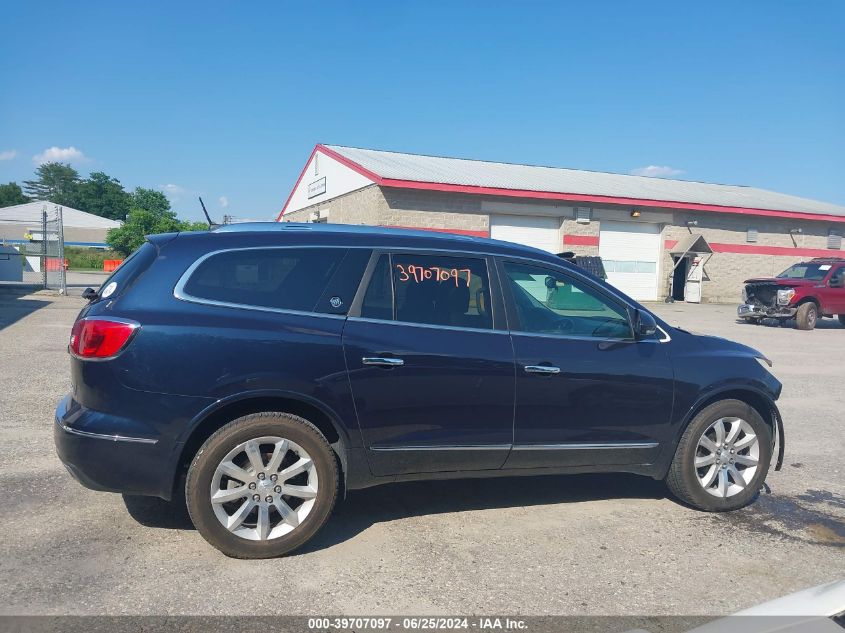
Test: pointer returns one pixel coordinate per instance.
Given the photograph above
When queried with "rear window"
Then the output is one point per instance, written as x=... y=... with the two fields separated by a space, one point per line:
x=131 y=268
x=278 y=278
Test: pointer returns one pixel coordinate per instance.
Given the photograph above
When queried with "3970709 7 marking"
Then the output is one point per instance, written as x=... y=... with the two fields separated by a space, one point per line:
x=361 y=623
x=376 y=623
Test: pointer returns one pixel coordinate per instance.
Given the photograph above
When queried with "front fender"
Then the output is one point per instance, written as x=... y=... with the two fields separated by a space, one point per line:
x=756 y=397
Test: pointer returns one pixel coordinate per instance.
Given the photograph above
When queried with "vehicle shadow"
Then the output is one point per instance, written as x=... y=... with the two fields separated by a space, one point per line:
x=13 y=305
x=158 y=513
x=390 y=502
x=364 y=508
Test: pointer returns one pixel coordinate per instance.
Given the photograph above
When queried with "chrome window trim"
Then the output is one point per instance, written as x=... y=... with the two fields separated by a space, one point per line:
x=578 y=338
x=180 y=294
x=104 y=436
x=429 y=325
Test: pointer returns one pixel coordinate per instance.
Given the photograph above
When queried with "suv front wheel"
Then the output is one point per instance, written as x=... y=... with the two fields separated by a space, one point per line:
x=723 y=458
x=806 y=316
x=262 y=485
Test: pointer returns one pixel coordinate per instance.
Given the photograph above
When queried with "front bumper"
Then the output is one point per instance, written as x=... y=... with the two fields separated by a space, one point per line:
x=109 y=459
x=757 y=311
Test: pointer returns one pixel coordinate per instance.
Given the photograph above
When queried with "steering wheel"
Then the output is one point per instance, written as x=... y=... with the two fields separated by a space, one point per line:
x=564 y=325
x=607 y=329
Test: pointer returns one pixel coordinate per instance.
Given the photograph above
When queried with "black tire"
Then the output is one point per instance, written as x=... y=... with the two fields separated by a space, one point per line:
x=215 y=449
x=682 y=478
x=807 y=315
x=842 y=319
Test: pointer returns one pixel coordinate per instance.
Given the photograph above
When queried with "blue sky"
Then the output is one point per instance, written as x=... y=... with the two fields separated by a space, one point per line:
x=226 y=100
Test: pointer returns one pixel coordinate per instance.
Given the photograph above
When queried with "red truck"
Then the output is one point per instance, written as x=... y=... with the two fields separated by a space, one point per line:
x=806 y=292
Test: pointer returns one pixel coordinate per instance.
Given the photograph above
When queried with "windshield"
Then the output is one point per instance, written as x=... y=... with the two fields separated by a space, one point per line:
x=816 y=272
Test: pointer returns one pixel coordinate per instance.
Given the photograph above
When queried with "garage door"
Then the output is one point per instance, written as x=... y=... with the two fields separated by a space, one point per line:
x=630 y=251
x=536 y=231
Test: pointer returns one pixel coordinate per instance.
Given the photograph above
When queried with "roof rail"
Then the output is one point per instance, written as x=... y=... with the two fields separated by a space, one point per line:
x=828 y=259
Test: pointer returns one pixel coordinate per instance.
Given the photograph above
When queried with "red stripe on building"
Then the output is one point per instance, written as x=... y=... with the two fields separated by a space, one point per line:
x=581 y=240
x=754 y=249
x=576 y=197
x=439 y=230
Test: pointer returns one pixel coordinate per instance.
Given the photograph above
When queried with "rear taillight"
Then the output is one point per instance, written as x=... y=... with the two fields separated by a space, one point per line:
x=100 y=338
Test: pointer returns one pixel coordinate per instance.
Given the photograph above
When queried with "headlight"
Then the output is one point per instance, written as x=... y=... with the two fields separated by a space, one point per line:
x=785 y=295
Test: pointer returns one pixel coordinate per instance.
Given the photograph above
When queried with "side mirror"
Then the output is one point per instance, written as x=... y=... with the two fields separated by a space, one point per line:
x=837 y=282
x=89 y=294
x=644 y=324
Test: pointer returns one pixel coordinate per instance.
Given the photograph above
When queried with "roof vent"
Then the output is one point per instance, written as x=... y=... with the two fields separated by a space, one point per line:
x=834 y=241
x=752 y=235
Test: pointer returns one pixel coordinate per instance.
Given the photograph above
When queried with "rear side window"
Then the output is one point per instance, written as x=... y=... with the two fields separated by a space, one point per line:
x=278 y=278
x=432 y=289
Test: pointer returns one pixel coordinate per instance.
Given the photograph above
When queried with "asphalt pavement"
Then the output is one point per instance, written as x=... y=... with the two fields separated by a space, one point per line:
x=539 y=545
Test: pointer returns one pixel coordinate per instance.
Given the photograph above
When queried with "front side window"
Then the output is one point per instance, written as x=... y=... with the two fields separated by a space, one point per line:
x=279 y=278
x=549 y=302
x=432 y=289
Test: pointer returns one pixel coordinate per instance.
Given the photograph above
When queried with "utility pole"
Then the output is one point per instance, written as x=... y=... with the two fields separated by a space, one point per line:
x=44 y=246
x=60 y=234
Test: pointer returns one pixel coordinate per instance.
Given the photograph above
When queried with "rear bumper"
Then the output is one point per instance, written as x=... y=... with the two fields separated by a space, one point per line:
x=103 y=456
x=756 y=311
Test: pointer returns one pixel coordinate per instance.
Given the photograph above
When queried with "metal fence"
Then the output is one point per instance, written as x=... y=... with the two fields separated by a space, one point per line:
x=49 y=247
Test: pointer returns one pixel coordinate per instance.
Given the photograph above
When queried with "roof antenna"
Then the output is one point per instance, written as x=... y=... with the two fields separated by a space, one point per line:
x=211 y=225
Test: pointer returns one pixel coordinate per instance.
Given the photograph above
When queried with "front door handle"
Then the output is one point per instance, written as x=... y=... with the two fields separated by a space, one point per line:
x=383 y=362
x=541 y=369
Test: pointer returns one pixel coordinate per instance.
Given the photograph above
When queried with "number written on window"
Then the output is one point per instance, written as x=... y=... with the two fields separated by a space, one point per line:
x=418 y=274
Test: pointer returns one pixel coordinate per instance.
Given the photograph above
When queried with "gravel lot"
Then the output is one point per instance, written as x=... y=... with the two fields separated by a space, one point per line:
x=530 y=546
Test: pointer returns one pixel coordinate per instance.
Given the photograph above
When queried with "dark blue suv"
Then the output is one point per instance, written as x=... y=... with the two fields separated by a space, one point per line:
x=258 y=369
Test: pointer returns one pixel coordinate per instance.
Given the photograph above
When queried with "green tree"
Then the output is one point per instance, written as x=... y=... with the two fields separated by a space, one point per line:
x=11 y=194
x=149 y=200
x=150 y=214
x=55 y=182
x=102 y=195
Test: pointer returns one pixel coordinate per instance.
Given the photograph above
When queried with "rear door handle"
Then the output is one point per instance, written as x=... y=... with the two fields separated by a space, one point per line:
x=541 y=369
x=383 y=362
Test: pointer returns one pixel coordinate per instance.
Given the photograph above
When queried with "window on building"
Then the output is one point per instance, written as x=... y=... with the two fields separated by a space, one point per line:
x=752 y=235
x=549 y=302
x=280 y=278
x=834 y=240
x=431 y=289
x=583 y=215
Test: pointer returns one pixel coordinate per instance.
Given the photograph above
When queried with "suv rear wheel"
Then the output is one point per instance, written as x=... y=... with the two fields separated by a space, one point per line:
x=806 y=316
x=262 y=485
x=722 y=459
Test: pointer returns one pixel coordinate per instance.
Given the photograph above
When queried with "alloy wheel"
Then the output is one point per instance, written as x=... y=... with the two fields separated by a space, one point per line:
x=727 y=457
x=264 y=488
